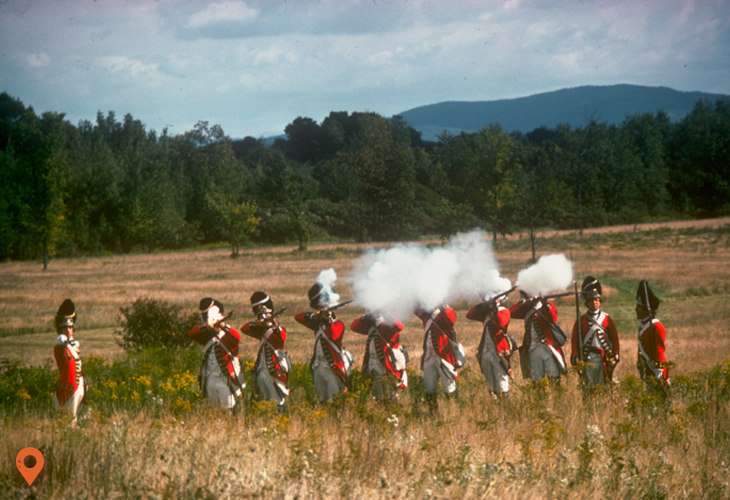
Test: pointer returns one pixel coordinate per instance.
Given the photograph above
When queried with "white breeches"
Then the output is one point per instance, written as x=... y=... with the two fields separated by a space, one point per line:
x=267 y=386
x=72 y=404
x=497 y=377
x=433 y=371
x=219 y=394
x=542 y=363
x=593 y=371
x=326 y=382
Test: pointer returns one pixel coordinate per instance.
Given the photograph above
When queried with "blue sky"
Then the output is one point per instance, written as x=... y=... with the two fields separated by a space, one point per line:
x=253 y=66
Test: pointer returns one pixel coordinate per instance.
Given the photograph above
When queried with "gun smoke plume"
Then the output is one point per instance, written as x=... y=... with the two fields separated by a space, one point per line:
x=550 y=273
x=398 y=279
x=327 y=278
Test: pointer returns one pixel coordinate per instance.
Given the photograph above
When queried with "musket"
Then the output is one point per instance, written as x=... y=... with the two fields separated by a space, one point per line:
x=561 y=294
x=215 y=325
x=337 y=306
x=503 y=294
x=273 y=316
x=279 y=312
x=665 y=382
x=578 y=322
x=326 y=312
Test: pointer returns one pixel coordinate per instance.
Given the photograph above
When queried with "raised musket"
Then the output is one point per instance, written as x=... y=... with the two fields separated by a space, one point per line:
x=503 y=294
x=561 y=294
x=337 y=306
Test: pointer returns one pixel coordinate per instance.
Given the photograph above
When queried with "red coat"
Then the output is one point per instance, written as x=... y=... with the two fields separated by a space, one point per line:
x=69 y=370
x=497 y=328
x=441 y=336
x=391 y=333
x=654 y=341
x=230 y=339
x=524 y=310
x=608 y=326
x=333 y=329
x=276 y=336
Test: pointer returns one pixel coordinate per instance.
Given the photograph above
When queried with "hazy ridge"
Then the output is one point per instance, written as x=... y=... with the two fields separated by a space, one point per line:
x=574 y=106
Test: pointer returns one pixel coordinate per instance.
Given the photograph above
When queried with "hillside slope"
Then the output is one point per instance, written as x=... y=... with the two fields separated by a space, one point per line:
x=574 y=106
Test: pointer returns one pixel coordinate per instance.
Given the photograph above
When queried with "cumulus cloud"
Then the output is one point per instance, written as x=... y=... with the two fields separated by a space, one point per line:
x=223 y=12
x=123 y=64
x=38 y=60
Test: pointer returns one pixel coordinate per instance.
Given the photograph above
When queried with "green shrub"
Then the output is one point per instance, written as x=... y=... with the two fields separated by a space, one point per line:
x=154 y=323
x=26 y=387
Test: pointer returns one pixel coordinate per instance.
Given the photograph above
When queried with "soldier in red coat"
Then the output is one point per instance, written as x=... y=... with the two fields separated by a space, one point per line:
x=384 y=361
x=221 y=379
x=595 y=340
x=71 y=387
x=272 y=363
x=439 y=360
x=541 y=355
x=329 y=363
x=495 y=350
x=652 y=358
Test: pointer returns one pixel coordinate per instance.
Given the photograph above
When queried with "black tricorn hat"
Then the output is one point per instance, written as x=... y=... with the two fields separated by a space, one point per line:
x=66 y=315
x=261 y=299
x=318 y=296
x=644 y=293
x=591 y=288
x=208 y=302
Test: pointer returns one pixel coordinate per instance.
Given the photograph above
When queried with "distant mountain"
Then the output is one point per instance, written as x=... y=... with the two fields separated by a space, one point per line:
x=611 y=104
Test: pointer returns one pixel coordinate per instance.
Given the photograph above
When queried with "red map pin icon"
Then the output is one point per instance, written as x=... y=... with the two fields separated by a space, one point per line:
x=29 y=473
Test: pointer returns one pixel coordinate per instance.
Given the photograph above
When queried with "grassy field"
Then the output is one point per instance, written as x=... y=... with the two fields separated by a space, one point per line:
x=546 y=443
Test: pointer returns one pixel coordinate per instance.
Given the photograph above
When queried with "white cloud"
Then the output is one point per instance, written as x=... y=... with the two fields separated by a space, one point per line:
x=123 y=64
x=274 y=54
x=38 y=60
x=223 y=12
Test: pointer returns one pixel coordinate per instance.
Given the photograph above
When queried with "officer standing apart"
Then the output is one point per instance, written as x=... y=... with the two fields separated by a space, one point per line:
x=71 y=387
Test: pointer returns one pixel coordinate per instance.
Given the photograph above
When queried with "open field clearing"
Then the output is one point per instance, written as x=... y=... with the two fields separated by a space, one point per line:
x=546 y=442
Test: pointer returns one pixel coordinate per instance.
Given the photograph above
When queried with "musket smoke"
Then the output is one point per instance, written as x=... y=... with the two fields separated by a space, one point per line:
x=550 y=273
x=398 y=279
x=327 y=279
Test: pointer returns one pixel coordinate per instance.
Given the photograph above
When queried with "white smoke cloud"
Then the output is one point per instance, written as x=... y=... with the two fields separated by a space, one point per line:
x=327 y=279
x=398 y=279
x=550 y=273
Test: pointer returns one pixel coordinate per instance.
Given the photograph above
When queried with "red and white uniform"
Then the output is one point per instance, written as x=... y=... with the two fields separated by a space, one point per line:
x=382 y=351
x=600 y=342
x=221 y=369
x=271 y=379
x=652 y=349
x=494 y=346
x=540 y=355
x=327 y=363
x=438 y=360
x=71 y=386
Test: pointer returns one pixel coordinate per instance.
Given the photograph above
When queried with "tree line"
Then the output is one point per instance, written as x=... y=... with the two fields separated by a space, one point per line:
x=112 y=186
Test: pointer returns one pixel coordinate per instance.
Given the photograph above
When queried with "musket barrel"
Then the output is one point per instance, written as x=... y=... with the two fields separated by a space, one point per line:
x=558 y=295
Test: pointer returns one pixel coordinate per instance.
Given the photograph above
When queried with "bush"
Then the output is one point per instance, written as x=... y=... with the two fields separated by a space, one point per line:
x=154 y=323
